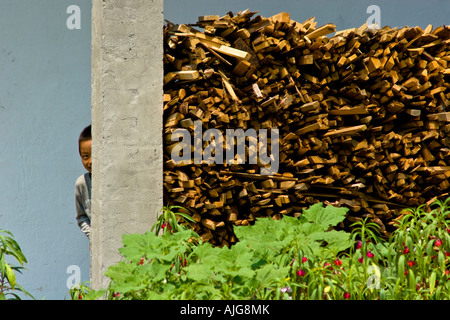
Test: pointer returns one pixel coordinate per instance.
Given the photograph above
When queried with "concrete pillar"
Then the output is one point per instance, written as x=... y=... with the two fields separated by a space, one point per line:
x=127 y=93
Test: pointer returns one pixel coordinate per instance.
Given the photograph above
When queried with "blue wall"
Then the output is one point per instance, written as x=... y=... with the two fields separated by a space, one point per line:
x=45 y=102
x=343 y=13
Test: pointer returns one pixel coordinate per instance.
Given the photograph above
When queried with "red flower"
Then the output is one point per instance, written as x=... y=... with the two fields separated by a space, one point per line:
x=338 y=262
x=406 y=250
x=300 y=273
x=166 y=224
x=346 y=295
x=361 y=259
x=411 y=263
x=359 y=245
x=304 y=259
x=328 y=265
x=369 y=254
x=80 y=297
x=142 y=261
x=438 y=242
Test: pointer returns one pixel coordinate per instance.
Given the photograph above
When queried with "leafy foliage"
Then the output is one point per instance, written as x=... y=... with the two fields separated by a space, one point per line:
x=170 y=221
x=292 y=258
x=417 y=254
x=309 y=233
x=8 y=285
x=177 y=265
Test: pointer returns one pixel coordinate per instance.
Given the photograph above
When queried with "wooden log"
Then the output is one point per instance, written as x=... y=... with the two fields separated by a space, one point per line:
x=363 y=118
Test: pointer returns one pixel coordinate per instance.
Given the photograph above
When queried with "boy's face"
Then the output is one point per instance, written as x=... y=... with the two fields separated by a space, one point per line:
x=85 y=152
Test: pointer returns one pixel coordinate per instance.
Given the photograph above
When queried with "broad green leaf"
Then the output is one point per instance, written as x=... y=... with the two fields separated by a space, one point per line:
x=412 y=280
x=324 y=216
x=204 y=251
x=269 y=274
x=336 y=240
x=401 y=266
x=94 y=295
x=432 y=282
x=429 y=249
x=136 y=245
x=119 y=271
x=156 y=271
x=199 y=272
x=441 y=260
x=2 y=263
x=10 y=275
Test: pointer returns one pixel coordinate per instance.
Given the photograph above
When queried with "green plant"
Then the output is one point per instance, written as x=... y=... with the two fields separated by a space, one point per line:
x=170 y=221
x=78 y=292
x=177 y=265
x=304 y=258
x=417 y=254
x=8 y=285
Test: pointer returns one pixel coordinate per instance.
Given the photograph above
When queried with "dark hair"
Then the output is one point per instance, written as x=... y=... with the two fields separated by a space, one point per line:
x=84 y=136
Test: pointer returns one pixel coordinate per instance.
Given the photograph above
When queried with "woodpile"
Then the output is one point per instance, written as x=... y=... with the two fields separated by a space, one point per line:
x=363 y=117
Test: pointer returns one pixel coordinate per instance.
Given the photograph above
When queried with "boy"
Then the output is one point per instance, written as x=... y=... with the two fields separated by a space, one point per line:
x=83 y=183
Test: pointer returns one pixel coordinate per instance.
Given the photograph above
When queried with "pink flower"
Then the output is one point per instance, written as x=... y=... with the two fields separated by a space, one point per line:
x=300 y=273
x=369 y=254
x=346 y=295
x=304 y=259
x=361 y=259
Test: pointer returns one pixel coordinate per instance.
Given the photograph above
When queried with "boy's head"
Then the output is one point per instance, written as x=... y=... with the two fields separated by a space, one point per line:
x=84 y=148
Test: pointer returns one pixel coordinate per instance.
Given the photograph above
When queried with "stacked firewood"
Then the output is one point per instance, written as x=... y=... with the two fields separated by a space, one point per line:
x=363 y=117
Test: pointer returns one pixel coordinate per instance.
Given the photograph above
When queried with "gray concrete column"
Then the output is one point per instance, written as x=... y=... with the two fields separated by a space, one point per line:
x=127 y=104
